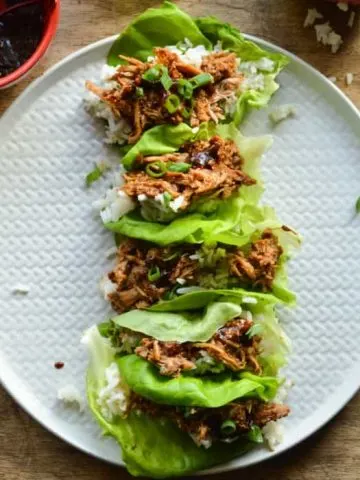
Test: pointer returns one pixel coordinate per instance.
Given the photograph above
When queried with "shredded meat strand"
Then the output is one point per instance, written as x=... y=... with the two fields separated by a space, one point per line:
x=204 y=424
x=135 y=259
x=230 y=345
x=258 y=268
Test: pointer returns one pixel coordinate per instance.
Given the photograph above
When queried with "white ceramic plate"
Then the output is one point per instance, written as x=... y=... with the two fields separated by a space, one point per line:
x=51 y=242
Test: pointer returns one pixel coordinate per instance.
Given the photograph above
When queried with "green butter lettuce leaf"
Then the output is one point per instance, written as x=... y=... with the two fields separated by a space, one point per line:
x=275 y=345
x=156 y=27
x=201 y=298
x=191 y=228
x=180 y=327
x=231 y=39
x=158 y=141
x=161 y=323
x=150 y=447
x=208 y=391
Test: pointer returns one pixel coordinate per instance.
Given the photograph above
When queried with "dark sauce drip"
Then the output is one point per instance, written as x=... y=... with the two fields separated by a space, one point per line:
x=20 y=33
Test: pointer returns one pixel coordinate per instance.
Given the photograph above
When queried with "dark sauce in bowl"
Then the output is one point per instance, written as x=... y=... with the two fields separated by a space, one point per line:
x=20 y=33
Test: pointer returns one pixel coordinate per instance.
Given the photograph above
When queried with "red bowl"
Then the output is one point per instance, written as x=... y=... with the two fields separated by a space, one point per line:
x=52 y=14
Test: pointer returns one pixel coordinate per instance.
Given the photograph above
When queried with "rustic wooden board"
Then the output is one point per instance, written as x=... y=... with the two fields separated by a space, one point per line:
x=28 y=451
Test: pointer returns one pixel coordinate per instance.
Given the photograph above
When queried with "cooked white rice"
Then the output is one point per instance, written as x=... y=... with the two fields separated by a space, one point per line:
x=107 y=287
x=273 y=434
x=112 y=398
x=72 y=396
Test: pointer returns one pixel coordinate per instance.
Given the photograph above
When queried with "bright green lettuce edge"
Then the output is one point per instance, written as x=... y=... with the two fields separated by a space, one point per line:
x=206 y=391
x=186 y=326
x=149 y=447
x=168 y=24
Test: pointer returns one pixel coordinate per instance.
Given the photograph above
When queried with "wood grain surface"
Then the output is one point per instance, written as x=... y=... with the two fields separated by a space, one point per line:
x=27 y=450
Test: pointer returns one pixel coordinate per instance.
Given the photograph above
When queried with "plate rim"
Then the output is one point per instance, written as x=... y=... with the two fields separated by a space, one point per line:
x=329 y=410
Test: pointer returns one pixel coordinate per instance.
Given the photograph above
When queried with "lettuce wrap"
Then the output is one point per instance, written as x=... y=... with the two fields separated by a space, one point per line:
x=149 y=447
x=189 y=276
x=162 y=220
x=169 y=68
x=169 y=25
x=120 y=382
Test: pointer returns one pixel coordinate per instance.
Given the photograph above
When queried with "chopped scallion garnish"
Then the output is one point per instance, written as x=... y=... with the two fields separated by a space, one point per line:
x=201 y=80
x=139 y=92
x=96 y=173
x=172 y=103
x=228 y=427
x=158 y=73
x=357 y=206
x=167 y=198
x=165 y=79
x=154 y=274
x=180 y=167
x=185 y=88
x=255 y=434
x=153 y=74
x=156 y=169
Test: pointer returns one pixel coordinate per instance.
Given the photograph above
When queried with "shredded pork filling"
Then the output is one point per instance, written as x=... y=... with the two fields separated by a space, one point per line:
x=230 y=346
x=145 y=274
x=143 y=103
x=214 y=169
x=204 y=425
x=258 y=268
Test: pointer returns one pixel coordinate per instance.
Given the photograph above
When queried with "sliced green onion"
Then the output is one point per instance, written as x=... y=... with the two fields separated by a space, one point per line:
x=172 y=103
x=186 y=112
x=139 y=92
x=228 y=427
x=165 y=79
x=180 y=167
x=167 y=198
x=96 y=173
x=158 y=73
x=357 y=206
x=185 y=88
x=153 y=74
x=156 y=169
x=201 y=80
x=172 y=256
x=181 y=46
x=154 y=274
x=255 y=434
x=170 y=294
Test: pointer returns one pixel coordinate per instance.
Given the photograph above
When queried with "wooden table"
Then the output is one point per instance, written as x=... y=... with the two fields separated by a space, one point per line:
x=28 y=451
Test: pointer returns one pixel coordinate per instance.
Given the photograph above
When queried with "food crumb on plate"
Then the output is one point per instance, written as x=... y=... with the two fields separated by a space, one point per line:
x=282 y=112
x=20 y=289
x=59 y=365
x=70 y=394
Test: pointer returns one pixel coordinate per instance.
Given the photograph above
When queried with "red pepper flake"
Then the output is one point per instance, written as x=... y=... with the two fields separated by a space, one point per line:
x=59 y=365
